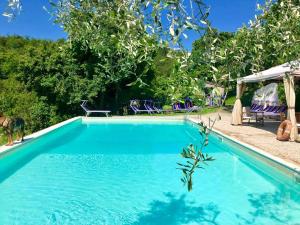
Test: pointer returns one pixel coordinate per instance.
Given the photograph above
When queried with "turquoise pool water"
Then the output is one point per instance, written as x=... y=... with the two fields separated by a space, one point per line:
x=125 y=173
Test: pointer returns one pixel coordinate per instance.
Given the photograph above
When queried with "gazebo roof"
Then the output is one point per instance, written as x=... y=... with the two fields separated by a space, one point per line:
x=276 y=72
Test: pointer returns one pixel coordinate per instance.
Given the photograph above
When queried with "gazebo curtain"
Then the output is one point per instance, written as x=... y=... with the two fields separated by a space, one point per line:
x=289 y=88
x=237 y=108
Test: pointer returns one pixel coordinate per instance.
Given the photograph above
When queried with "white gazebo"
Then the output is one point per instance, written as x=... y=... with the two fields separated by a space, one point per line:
x=287 y=72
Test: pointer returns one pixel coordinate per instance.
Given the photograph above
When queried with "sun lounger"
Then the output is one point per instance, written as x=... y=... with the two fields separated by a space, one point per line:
x=159 y=109
x=137 y=107
x=257 y=116
x=268 y=111
x=209 y=100
x=275 y=111
x=190 y=106
x=177 y=107
x=187 y=106
x=149 y=105
x=194 y=108
x=89 y=111
x=154 y=106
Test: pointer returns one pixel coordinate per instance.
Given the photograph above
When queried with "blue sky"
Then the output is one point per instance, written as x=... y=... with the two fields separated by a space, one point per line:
x=34 y=21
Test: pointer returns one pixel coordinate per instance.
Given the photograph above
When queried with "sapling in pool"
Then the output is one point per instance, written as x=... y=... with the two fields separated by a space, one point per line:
x=194 y=155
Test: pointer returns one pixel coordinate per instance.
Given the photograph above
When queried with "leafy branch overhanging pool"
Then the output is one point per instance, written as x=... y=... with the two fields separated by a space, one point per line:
x=124 y=172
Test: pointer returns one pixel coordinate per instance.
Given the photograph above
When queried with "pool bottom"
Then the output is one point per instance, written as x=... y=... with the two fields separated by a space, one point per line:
x=126 y=174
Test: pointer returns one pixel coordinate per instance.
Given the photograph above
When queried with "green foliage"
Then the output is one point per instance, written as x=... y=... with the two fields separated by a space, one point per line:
x=173 y=81
x=15 y=100
x=281 y=94
x=167 y=107
x=109 y=49
x=204 y=65
x=127 y=40
x=271 y=39
x=44 y=81
x=230 y=101
x=118 y=50
x=247 y=97
x=108 y=58
x=194 y=156
x=27 y=68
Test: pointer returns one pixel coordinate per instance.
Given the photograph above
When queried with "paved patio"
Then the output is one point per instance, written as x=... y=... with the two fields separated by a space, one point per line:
x=262 y=137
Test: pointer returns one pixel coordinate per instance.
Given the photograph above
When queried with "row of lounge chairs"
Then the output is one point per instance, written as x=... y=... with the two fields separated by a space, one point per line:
x=142 y=106
x=150 y=106
x=259 y=112
x=146 y=106
x=268 y=110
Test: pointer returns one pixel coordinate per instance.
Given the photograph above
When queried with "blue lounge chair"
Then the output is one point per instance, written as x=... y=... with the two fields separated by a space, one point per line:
x=137 y=107
x=158 y=108
x=179 y=107
x=190 y=106
x=153 y=106
x=269 y=111
x=187 y=106
x=276 y=111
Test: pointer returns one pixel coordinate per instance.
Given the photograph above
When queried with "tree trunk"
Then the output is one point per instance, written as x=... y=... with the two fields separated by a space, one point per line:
x=118 y=89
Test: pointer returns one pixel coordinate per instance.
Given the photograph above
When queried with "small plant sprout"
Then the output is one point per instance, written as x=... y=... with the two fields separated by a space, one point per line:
x=194 y=155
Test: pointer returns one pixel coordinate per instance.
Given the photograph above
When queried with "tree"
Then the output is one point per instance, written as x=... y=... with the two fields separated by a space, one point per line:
x=272 y=38
x=122 y=37
x=22 y=65
x=13 y=8
x=203 y=64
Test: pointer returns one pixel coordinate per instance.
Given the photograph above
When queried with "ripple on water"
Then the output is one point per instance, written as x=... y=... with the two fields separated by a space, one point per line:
x=126 y=174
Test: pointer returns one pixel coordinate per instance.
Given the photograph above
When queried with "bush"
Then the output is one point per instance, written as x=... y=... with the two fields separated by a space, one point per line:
x=167 y=107
x=230 y=101
x=16 y=101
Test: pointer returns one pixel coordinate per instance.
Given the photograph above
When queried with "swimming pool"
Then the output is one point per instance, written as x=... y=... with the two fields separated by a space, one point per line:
x=124 y=172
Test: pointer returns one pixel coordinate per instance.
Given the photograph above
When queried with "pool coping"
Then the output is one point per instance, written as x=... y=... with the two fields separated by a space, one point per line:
x=291 y=166
x=33 y=136
x=134 y=118
x=275 y=159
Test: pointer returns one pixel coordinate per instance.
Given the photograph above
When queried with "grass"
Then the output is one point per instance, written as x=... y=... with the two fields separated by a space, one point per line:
x=3 y=139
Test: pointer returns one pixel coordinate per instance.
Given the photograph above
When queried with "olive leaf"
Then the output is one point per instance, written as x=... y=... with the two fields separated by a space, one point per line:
x=195 y=155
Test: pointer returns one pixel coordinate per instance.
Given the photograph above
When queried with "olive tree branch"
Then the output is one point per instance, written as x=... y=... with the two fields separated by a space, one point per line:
x=194 y=156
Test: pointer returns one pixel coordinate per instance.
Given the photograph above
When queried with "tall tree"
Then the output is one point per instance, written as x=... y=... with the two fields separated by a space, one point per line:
x=121 y=37
x=272 y=38
x=202 y=51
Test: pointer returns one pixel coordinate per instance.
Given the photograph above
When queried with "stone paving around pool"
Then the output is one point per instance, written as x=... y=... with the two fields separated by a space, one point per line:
x=262 y=137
